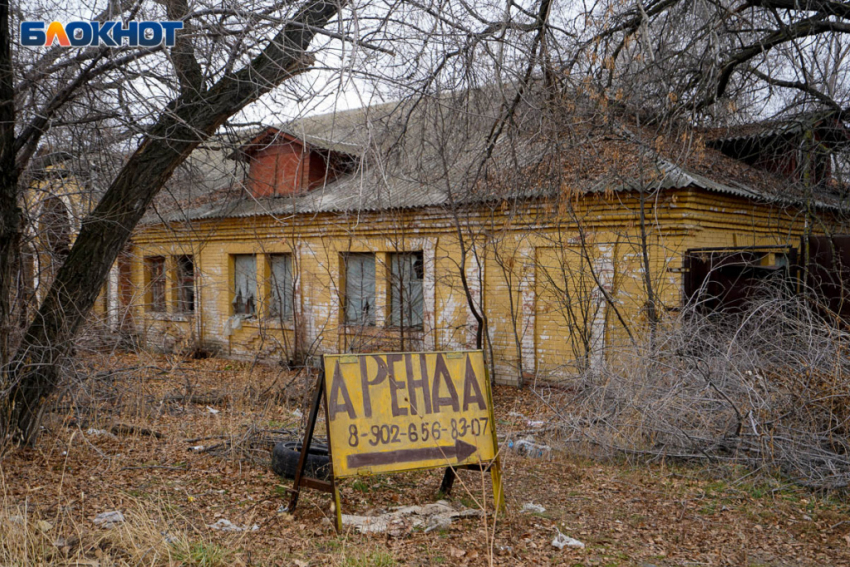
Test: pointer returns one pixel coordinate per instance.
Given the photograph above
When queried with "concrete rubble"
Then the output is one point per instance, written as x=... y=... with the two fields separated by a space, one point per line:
x=223 y=525
x=434 y=516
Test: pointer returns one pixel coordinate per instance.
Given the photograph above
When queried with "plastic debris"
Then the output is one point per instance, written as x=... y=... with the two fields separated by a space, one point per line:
x=109 y=519
x=223 y=525
x=529 y=507
x=561 y=541
x=212 y=410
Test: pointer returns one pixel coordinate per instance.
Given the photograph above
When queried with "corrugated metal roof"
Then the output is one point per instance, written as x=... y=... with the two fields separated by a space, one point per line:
x=793 y=125
x=398 y=171
x=358 y=193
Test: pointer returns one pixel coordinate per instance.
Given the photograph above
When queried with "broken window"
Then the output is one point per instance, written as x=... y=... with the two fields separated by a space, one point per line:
x=406 y=300
x=244 y=284
x=185 y=284
x=155 y=267
x=729 y=279
x=360 y=289
x=281 y=286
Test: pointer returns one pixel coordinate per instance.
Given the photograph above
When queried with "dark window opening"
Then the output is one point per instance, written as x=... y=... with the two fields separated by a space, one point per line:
x=185 y=284
x=155 y=266
x=56 y=225
x=828 y=273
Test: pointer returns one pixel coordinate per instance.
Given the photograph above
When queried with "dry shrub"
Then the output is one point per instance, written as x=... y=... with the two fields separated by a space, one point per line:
x=769 y=388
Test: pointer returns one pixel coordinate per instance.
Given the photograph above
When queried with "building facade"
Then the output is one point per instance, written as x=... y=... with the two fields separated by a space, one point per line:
x=320 y=253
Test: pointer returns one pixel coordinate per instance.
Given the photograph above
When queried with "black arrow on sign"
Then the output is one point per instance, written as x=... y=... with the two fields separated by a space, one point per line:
x=460 y=451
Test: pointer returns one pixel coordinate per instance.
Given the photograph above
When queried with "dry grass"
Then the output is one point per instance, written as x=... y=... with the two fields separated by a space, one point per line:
x=154 y=532
x=169 y=495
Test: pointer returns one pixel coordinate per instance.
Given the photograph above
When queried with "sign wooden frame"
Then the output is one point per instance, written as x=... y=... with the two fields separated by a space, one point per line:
x=320 y=395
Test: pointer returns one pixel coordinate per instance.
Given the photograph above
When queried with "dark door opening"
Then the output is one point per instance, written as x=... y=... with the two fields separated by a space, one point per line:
x=729 y=279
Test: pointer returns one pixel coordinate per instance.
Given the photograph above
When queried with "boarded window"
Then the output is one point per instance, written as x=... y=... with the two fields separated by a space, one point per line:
x=155 y=267
x=406 y=300
x=281 y=286
x=185 y=284
x=360 y=289
x=244 y=284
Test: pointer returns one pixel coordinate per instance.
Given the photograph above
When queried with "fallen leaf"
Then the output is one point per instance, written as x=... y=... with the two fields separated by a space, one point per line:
x=456 y=553
x=44 y=526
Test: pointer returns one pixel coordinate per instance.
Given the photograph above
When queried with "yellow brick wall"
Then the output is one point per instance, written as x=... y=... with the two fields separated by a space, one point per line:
x=525 y=259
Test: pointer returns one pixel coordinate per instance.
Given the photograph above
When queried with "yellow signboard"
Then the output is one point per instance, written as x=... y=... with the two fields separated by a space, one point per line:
x=403 y=411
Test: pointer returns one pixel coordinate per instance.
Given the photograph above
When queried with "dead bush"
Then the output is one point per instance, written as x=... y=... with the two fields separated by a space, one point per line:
x=768 y=387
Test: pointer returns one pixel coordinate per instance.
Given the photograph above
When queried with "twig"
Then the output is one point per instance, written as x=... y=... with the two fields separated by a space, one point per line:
x=164 y=467
x=124 y=429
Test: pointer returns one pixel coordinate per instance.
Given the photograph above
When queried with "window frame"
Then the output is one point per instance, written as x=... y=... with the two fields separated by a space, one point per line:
x=250 y=309
x=400 y=298
x=287 y=298
x=371 y=318
x=157 y=302
x=184 y=284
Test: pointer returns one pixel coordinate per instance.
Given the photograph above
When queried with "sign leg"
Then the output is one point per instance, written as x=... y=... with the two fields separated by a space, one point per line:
x=333 y=483
x=308 y=439
x=338 y=508
x=448 y=481
x=498 y=493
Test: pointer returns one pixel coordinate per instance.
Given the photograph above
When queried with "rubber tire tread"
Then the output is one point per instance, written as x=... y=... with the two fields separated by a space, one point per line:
x=285 y=462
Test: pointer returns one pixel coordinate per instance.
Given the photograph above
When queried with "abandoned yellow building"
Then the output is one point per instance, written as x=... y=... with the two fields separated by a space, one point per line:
x=370 y=230
x=54 y=205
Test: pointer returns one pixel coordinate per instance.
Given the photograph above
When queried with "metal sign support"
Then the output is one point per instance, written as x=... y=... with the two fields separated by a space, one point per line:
x=300 y=478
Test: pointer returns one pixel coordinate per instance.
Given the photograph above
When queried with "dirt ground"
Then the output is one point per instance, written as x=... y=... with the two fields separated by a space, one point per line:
x=129 y=439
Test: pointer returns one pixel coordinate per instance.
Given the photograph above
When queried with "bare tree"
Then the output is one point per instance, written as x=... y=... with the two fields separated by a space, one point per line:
x=515 y=73
x=205 y=101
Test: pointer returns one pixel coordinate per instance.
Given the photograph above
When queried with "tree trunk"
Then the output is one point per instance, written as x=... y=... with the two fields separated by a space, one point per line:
x=181 y=127
x=10 y=213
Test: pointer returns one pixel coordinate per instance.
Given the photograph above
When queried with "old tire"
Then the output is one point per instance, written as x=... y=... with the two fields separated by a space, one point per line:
x=286 y=455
